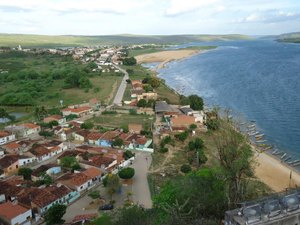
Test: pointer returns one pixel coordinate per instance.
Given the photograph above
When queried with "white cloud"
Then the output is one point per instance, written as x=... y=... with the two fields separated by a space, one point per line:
x=269 y=16
x=179 y=7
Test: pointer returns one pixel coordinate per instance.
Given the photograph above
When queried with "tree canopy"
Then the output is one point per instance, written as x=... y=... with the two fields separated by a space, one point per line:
x=54 y=214
x=126 y=173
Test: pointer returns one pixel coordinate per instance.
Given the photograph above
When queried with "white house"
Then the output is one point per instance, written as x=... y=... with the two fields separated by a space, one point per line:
x=6 y=136
x=77 y=181
x=15 y=214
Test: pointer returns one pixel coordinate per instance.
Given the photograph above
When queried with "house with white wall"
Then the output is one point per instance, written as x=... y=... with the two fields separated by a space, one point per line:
x=15 y=214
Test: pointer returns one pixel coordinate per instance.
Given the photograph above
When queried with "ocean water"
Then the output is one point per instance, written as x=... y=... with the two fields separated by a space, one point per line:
x=258 y=80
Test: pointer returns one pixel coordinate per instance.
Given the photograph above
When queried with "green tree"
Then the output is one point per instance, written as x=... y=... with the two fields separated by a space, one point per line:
x=154 y=82
x=5 y=114
x=112 y=184
x=185 y=168
x=118 y=142
x=126 y=173
x=128 y=154
x=87 y=125
x=54 y=214
x=129 y=61
x=193 y=126
x=236 y=160
x=182 y=136
x=25 y=172
x=201 y=157
x=142 y=103
x=69 y=162
x=124 y=127
x=196 y=102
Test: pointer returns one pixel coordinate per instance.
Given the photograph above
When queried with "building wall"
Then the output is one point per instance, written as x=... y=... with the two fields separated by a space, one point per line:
x=104 y=143
x=22 y=219
x=12 y=169
x=23 y=162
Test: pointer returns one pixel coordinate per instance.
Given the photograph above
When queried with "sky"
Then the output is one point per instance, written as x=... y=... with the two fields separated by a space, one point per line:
x=103 y=17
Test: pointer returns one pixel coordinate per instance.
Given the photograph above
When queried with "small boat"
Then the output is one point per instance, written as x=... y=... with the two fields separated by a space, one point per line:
x=251 y=126
x=253 y=133
x=261 y=141
x=259 y=135
x=243 y=123
x=252 y=121
x=288 y=158
x=274 y=152
x=296 y=164
x=296 y=161
x=278 y=153
x=283 y=155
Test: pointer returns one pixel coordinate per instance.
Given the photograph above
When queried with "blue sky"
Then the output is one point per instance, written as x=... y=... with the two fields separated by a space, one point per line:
x=100 y=17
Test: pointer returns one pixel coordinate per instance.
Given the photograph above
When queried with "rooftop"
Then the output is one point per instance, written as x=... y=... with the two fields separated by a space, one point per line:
x=30 y=125
x=10 y=210
x=92 y=172
x=4 y=134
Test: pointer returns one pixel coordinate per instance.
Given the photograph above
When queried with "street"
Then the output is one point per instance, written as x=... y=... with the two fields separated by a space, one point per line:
x=120 y=93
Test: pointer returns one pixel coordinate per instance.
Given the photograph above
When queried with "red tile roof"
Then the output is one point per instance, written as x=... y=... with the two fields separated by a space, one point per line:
x=12 y=145
x=182 y=120
x=100 y=160
x=30 y=125
x=92 y=172
x=75 y=179
x=85 y=217
x=4 y=134
x=8 y=160
x=39 y=151
x=94 y=136
x=10 y=210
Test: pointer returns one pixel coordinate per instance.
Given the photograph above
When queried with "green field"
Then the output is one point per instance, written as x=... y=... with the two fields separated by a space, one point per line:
x=118 y=120
x=34 y=79
x=13 y=40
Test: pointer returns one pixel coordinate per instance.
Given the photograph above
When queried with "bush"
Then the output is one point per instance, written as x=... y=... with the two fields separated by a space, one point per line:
x=128 y=154
x=126 y=173
x=46 y=133
x=185 y=168
x=163 y=150
x=182 y=136
x=142 y=103
x=132 y=112
x=107 y=112
x=94 y=194
x=87 y=125
x=193 y=126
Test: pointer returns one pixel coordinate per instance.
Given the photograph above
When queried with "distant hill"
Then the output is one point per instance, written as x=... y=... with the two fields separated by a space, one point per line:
x=290 y=37
x=13 y=40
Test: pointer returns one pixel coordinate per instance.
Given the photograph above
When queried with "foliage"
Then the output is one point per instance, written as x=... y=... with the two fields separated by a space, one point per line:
x=129 y=61
x=54 y=214
x=45 y=179
x=71 y=117
x=202 y=157
x=69 y=162
x=197 y=144
x=87 y=125
x=4 y=114
x=128 y=154
x=132 y=112
x=113 y=184
x=142 y=103
x=94 y=194
x=190 y=198
x=235 y=157
x=165 y=140
x=154 y=82
x=118 y=142
x=108 y=112
x=125 y=128
x=76 y=80
x=25 y=172
x=196 y=102
x=182 y=136
x=185 y=168
x=213 y=124
x=46 y=133
x=193 y=126
x=126 y=173
x=163 y=149
x=40 y=113
x=104 y=219
x=134 y=215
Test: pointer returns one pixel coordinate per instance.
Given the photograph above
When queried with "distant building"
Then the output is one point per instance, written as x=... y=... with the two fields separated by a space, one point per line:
x=276 y=210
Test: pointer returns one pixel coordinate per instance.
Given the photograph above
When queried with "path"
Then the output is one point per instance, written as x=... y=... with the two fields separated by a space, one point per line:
x=120 y=93
x=140 y=187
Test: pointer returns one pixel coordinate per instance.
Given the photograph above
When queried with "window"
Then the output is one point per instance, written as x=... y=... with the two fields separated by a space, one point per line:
x=17 y=166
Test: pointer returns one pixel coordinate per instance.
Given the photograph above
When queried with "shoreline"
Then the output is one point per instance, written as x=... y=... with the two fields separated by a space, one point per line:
x=167 y=56
x=269 y=169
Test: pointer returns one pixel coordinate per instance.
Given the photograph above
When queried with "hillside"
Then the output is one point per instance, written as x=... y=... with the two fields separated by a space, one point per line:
x=13 y=40
x=290 y=37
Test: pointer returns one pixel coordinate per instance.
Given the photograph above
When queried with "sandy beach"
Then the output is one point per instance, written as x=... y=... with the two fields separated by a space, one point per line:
x=274 y=173
x=166 y=56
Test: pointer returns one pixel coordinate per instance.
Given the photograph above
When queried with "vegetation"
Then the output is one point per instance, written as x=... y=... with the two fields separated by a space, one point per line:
x=128 y=154
x=126 y=173
x=130 y=61
x=54 y=214
x=70 y=162
x=34 y=80
x=118 y=142
x=142 y=103
x=28 y=40
x=112 y=184
x=195 y=102
x=25 y=172
x=94 y=194
x=185 y=168
x=5 y=114
x=182 y=136
x=87 y=125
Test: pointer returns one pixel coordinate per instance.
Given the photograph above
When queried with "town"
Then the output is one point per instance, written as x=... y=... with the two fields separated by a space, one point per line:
x=89 y=155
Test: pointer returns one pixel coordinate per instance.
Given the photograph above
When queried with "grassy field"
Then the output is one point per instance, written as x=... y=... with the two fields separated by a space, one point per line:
x=142 y=51
x=117 y=120
x=13 y=40
x=46 y=90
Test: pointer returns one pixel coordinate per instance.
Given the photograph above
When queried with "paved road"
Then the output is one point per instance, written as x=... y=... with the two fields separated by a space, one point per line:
x=140 y=188
x=120 y=93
